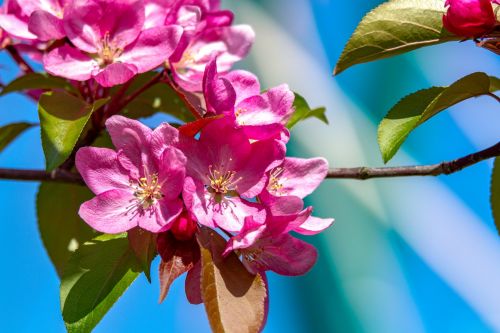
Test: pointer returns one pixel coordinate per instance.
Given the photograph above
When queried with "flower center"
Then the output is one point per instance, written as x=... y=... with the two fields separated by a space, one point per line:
x=276 y=182
x=222 y=182
x=238 y=113
x=108 y=52
x=148 y=191
x=251 y=255
x=183 y=65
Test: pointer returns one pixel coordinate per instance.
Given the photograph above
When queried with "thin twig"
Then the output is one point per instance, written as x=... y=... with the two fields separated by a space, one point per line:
x=156 y=79
x=361 y=173
x=444 y=168
x=494 y=96
x=23 y=65
x=183 y=97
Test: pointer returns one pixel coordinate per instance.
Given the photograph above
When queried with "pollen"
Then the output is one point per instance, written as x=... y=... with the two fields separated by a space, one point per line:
x=222 y=182
x=276 y=182
x=108 y=52
x=147 y=191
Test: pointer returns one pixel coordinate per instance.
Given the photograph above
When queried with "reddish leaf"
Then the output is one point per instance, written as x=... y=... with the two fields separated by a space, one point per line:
x=143 y=243
x=235 y=300
x=193 y=285
x=177 y=256
x=192 y=128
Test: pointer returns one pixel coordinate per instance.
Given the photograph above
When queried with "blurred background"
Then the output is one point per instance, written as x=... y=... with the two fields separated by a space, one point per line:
x=405 y=255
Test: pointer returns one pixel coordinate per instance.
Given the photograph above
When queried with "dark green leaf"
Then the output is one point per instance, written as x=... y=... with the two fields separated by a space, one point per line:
x=159 y=98
x=415 y=109
x=303 y=111
x=10 y=132
x=495 y=193
x=395 y=27
x=38 y=81
x=143 y=243
x=61 y=229
x=235 y=300
x=96 y=276
x=62 y=120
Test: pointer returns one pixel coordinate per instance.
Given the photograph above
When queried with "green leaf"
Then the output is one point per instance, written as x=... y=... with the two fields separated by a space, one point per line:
x=38 y=81
x=235 y=300
x=97 y=275
x=159 y=98
x=61 y=229
x=143 y=243
x=303 y=111
x=10 y=132
x=495 y=193
x=395 y=27
x=62 y=119
x=416 y=108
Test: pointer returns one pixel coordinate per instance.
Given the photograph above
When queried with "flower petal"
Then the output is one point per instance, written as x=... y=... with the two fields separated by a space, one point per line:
x=171 y=172
x=69 y=63
x=100 y=169
x=313 y=225
x=301 y=177
x=15 y=27
x=248 y=235
x=165 y=212
x=46 y=26
x=161 y=137
x=115 y=74
x=245 y=84
x=153 y=47
x=108 y=212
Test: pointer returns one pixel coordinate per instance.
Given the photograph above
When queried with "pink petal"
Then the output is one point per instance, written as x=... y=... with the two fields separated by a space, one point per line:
x=248 y=235
x=100 y=169
x=87 y=22
x=108 y=212
x=245 y=84
x=286 y=255
x=301 y=177
x=70 y=63
x=115 y=74
x=152 y=48
x=15 y=27
x=281 y=100
x=163 y=136
x=313 y=225
x=220 y=95
x=165 y=212
x=46 y=26
x=171 y=172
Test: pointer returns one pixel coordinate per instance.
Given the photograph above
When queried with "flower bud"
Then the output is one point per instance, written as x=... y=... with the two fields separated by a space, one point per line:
x=469 y=18
x=184 y=227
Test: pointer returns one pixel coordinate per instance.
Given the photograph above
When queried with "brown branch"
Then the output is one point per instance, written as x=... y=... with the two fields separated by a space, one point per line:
x=362 y=173
x=157 y=78
x=444 y=168
x=492 y=95
x=23 y=65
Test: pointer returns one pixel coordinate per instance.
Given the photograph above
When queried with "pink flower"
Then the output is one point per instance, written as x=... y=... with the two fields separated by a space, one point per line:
x=111 y=44
x=134 y=187
x=224 y=169
x=238 y=95
x=297 y=177
x=268 y=246
x=469 y=18
x=228 y=44
x=14 y=20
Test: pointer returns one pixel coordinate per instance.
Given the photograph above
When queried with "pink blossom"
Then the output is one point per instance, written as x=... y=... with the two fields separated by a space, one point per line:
x=268 y=246
x=469 y=18
x=224 y=170
x=238 y=95
x=14 y=20
x=134 y=187
x=297 y=177
x=111 y=44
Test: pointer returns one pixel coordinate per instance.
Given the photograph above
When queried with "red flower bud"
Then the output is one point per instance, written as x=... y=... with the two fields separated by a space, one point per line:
x=184 y=227
x=469 y=18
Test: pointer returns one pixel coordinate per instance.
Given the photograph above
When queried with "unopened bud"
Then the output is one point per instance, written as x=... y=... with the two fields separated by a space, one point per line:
x=469 y=18
x=184 y=227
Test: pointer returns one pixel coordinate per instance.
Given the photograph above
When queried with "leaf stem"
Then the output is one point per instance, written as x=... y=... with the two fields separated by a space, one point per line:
x=492 y=95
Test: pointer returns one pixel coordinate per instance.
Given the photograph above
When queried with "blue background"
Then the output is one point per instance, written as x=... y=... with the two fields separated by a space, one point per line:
x=405 y=255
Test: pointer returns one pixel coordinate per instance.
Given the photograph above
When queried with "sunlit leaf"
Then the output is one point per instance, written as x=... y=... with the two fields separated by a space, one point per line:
x=303 y=111
x=96 y=276
x=61 y=229
x=41 y=81
x=10 y=132
x=62 y=120
x=395 y=27
x=416 y=108
x=235 y=300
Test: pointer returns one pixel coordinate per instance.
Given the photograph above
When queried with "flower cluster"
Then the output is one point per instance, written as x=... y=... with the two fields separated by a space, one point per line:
x=232 y=174
x=470 y=18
